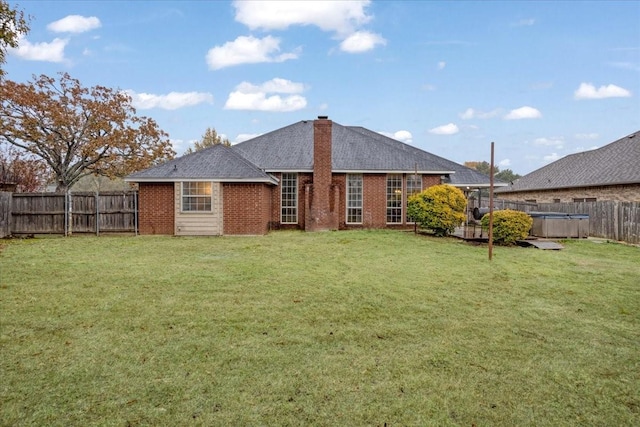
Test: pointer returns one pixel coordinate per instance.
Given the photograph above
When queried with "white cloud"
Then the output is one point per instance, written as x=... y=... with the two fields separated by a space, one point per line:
x=49 y=52
x=589 y=91
x=471 y=113
x=361 y=41
x=245 y=137
x=171 y=101
x=276 y=85
x=342 y=17
x=581 y=149
x=583 y=136
x=180 y=145
x=625 y=65
x=260 y=102
x=74 y=24
x=247 y=50
x=554 y=141
x=552 y=157
x=523 y=113
x=449 y=129
x=428 y=87
x=504 y=163
x=248 y=96
x=441 y=65
x=401 y=135
x=524 y=23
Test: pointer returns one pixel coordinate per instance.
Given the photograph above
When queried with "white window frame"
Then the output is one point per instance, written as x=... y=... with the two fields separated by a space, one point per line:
x=355 y=195
x=196 y=196
x=289 y=198
x=394 y=199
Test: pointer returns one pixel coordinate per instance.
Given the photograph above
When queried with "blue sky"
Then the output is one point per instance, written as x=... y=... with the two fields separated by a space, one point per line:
x=540 y=79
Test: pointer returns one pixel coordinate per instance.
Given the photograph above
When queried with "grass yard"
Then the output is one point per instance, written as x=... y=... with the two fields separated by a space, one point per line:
x=362 y=328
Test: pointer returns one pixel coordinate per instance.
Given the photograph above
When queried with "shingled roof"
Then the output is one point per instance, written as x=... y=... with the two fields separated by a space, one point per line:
x=291 y=149
x=219 y=163
x=614 y=164
x=462 y=176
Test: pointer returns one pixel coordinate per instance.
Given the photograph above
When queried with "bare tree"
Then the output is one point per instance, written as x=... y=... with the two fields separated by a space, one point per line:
x=20 y=170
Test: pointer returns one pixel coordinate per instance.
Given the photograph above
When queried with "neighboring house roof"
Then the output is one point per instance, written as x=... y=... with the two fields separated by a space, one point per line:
x=614 y=164
x=291 y=149
x=218 y=162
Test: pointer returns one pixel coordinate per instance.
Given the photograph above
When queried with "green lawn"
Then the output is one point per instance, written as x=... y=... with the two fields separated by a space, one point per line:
x=333 y=329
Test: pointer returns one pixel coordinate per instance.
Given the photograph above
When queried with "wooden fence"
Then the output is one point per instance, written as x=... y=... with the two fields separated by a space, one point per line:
x=116 y=212
x=618 y=221
x=55 y=213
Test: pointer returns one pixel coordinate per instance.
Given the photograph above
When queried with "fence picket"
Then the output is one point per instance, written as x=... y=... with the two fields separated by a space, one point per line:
x=44 y=213
x=619 y=221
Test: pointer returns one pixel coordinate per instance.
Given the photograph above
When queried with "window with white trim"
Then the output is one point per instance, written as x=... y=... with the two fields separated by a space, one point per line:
x=289 y=198
x=196 y=196
x=394 y=199
x=354 y=199
x=414 y=186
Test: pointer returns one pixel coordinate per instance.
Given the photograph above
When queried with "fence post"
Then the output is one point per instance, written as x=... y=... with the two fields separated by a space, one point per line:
x=5 y=213
x=616 y=220
x=68 y=214
x=97 y=201
x=135 y=212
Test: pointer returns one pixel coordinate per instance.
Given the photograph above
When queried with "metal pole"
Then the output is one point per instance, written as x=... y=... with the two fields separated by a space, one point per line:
x=491 y=206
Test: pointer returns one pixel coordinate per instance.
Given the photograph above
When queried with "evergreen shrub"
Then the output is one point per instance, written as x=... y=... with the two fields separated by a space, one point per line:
x=508 y=226
x=440 y=208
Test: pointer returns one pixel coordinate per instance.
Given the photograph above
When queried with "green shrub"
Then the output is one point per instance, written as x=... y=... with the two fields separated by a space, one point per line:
x=440 y=208
x=508 y=226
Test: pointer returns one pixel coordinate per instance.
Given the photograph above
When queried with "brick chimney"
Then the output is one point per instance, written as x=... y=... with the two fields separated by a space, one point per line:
x=319 y=214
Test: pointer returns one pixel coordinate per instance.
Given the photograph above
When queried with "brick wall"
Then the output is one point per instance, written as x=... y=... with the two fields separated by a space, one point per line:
x=374 y=200
x=320 y=216
x=374 y=209
x=430 y=181
x=276 y=197
x=252 y=209
x=156 y=214
x=247 y=208
x=621 y=193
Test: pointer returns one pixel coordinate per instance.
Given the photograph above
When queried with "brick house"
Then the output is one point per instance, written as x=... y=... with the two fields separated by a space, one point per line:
x=312 y=175
x=609 y=173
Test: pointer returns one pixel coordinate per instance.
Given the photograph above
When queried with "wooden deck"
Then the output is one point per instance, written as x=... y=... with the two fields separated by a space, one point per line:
x=475 y=233
x=471 y=232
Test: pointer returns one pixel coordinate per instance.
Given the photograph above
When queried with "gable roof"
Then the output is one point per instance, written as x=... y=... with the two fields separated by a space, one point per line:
x=291 y=149
x=219 y=163
x=614 y=164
